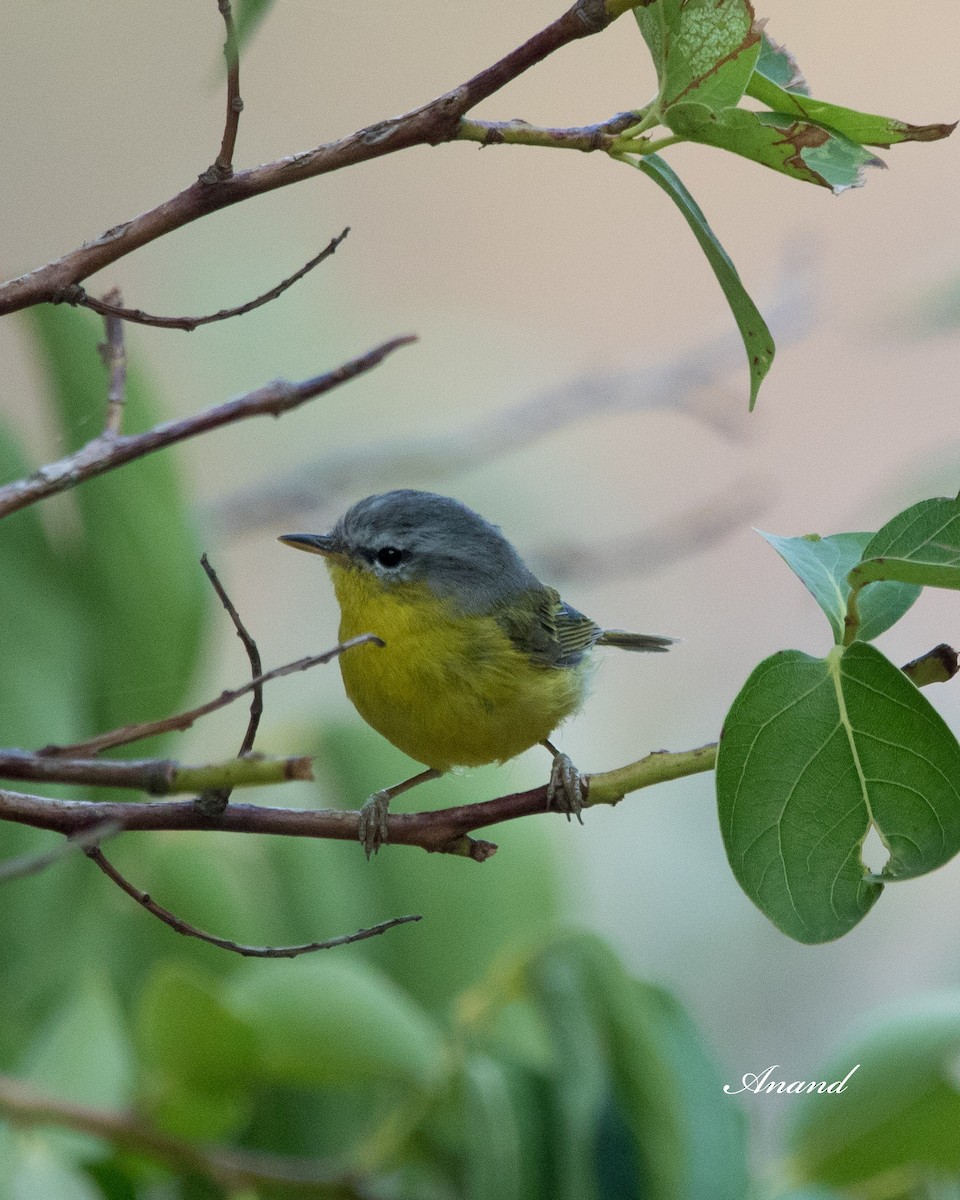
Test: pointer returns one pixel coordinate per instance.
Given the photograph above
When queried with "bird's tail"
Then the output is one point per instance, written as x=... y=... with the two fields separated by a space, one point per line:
x=634 y=641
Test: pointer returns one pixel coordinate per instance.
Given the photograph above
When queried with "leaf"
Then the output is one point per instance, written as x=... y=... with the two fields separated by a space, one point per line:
x=704 y=50
x=250 y=15
x=493 y=1150
x=926 y=532
x=908 y=1100
x=327 y=1020
x=134 y=564
x=756 y=336
x=822 y=564
x=777 y=65
x=814 y=752
x=40 y=1173
x=863 y=128
x=801 y=149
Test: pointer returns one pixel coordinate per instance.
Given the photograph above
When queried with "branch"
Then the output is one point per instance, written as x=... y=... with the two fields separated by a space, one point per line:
x=115 y=360
x=181 y=721
x=180 y=926
x=156 y=776
x=106 y=453
x=33 y=864
x=77 y=296
x=431 y=124
x=236 y=1170
x=223 y=165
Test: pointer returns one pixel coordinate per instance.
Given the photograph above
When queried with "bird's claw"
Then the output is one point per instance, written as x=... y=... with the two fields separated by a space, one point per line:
x=372 y=824
x=565 y=789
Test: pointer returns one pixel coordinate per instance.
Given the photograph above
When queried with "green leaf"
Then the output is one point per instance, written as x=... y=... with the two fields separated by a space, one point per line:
x=40 y=1173
x=863 y=128
x=813 y=753
x=777 y=65
x=898 y=1112
x=327 y=1020
x=927 y=532
x=800 y=149
x=756 y=336
x=249 y=15
x=493 y=1150
x=633 y=1081
x=822 y=564
x=704 y=50
x=197 y=1058
x=134 y=564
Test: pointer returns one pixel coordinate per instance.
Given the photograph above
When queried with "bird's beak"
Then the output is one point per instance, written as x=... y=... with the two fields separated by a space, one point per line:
x=316 y=543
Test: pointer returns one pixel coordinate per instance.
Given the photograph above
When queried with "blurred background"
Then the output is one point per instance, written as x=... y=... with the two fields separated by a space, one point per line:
x=530 y=278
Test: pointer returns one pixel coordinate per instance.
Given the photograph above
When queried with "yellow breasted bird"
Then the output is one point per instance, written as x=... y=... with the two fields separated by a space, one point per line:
x=481 y=660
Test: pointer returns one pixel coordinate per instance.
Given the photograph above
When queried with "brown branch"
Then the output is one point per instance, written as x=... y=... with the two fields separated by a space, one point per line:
x=431 y=124
x=223 y=165
x=180 y=926
x=213 y=803
x=32 y=864
x=115 y=360
x=237 y=1170
x=180 y=721
x=106 y=453
x=79 y=297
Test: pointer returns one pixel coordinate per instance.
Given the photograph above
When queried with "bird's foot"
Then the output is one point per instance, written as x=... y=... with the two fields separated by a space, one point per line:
x=565 y=789
x=372 y=825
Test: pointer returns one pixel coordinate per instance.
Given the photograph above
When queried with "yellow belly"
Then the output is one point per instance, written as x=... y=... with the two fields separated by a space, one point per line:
x=447 y=690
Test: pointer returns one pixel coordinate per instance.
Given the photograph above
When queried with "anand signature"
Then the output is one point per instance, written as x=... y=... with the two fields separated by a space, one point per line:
x=763 y=1083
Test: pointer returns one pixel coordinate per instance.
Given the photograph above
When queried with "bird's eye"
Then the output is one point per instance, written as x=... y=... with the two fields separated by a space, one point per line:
x=389 y=556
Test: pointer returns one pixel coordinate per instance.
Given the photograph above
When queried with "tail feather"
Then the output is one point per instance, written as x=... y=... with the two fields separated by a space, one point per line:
x=634 y=641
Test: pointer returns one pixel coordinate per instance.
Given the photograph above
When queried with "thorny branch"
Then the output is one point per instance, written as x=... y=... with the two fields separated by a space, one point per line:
x=430 y=124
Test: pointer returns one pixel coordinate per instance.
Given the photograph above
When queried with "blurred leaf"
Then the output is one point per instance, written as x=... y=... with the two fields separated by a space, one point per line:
x=704 y=50
x=134 y=563
x=823 y=563
x=756 y=336
x=864 y=128
x=332 y=1019
x=249 y=15
x=777 y=65
x=901 y=1110
x=197 y=1058
x=39 y=1173
x=813 y=753
x=493 y=1149
x=803 y=150
x=647 y=1074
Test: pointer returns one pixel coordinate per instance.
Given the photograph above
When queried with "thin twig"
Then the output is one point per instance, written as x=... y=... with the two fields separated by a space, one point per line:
x=188 y=930
x=104 y=454
x=223 y=166
x=430 y=124
x=180 y=721
x=33 y=864
x=115 y=360
x=78 y=296
x=213 y=803
x=236 y=1170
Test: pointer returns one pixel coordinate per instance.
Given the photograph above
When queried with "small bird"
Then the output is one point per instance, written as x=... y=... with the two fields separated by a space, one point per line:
x=480 y=660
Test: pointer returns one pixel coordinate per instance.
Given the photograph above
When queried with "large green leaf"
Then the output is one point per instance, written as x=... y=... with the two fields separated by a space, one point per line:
x=823 y=563
x=753 y=329
x=902 y=1109
x=704 y=50
x=813 y=753
x=798 y=148
x=777 y=65
x=134 y=562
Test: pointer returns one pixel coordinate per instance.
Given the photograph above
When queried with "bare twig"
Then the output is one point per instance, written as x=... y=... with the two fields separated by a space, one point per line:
x=104 y=454
x=223 y=166
x=237 y=1170
x=180 y=721
x=188 y=930
x=430 y=124
x=115 y=360
x=78 y=296
x=33 y=864
x=213 y=803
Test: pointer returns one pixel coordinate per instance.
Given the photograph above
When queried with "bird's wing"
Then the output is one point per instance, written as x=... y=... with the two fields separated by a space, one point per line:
x=548 y=630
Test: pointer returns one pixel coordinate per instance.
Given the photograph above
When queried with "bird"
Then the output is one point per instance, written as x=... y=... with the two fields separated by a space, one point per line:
x=480 y=660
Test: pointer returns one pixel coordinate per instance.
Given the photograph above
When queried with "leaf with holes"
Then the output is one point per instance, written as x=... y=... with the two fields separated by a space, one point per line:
x=822 y=565
x=813 y=753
